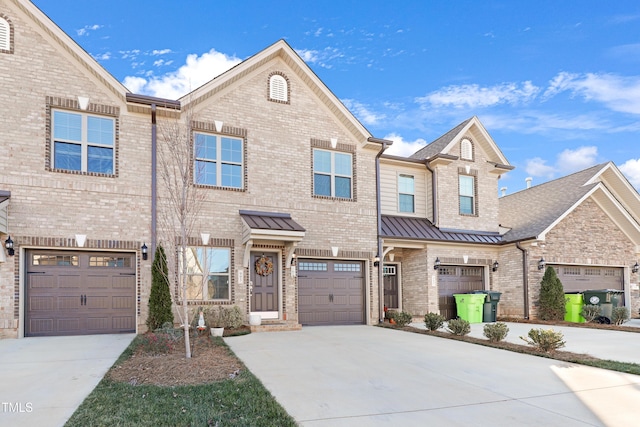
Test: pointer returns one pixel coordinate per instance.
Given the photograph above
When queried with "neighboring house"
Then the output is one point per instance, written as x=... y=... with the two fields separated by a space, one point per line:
x=283 y=168
x=446 y=231
x=293 y=214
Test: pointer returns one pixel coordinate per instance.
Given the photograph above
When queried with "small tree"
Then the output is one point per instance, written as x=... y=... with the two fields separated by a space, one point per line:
x=552 y=303
x=160 y=311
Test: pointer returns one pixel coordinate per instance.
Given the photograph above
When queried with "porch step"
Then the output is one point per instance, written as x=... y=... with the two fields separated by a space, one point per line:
x=276 y=326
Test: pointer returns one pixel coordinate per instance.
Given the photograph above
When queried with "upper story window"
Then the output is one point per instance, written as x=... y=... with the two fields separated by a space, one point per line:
x=278 y=88
x=406 y=193
x=332 y=173
x=83 y=142
x=6 y=33
x=218 y=160
x=208 y=273
x=466 y=149
x=467 y=186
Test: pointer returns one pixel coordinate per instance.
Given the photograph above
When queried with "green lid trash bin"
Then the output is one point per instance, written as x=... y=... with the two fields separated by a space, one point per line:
x=470 y=307
x=490 y=305
x=573 y=306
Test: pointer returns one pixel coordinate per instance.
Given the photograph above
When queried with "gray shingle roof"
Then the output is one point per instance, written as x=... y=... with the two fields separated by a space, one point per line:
x=400 y=227
x=436 y=147
x=529 y=212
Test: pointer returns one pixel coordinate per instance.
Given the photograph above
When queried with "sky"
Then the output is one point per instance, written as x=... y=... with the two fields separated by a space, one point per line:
x=555 y=83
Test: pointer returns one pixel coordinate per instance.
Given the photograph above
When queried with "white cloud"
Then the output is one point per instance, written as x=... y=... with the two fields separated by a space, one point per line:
x=157 y=52
x=363 y=113
x=103 y=56
x=475 y=96
x=197 y=71
x=618 y=93
x=403 y=148
x=631 y=169
x=567 y=161
x=88 y=28
x=309 y=56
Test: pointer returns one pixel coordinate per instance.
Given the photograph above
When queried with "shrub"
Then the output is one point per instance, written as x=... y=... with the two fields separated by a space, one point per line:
x=619 y=315
x=433 y=321
x=496 y=332
x=402 y=318
x=590 y=312
x=458 y=327
x=552 y=299
x=545 y=340
x=223 y=317
x=160 y=310
x=235 y=318
x=157 y=343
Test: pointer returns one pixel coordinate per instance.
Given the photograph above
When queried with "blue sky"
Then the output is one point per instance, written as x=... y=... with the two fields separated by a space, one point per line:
x=556 y=83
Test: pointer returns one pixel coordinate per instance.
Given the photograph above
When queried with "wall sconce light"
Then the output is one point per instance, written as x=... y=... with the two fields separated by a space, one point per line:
x=293 y=258
x=9 y=245
x=376 y=261
x=145 y=251
x=635 y=268
x=541 y=264
x=436 y=265
x=495 y=266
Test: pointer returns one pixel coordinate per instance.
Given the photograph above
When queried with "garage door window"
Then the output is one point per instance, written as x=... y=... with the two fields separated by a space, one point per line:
x=109 y=261
x=312 y=266
x=346 y=267
x=60 y=260
x=208 y=273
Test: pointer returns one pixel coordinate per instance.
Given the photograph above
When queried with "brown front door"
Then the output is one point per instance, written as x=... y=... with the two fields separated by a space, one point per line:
x=456 y=280
x=79 y=293
x=264 y=279
x=391 y=286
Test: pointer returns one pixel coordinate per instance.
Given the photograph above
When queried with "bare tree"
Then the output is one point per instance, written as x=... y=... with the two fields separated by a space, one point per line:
x=179 y=204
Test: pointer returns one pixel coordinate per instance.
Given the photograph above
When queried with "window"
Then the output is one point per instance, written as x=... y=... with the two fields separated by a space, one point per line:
x=208 y=273
x=219 y=160
x=312 y=266
x=406 y=193
x=467 y=195
x=83 y=142
x=466 y=149
x=278 y=88
x=63 y=260
x=332 y=173
x=6 y=34
x=109 y=261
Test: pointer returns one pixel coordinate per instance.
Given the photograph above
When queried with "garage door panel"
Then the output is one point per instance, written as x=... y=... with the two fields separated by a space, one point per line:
x=576 y=278
x=68 y=295
x=456 y=280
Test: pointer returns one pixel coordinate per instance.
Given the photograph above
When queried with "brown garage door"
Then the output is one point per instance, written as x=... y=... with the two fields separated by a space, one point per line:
x=456 y=280
x=330 y=292
x=582 y=278
x=79 y=293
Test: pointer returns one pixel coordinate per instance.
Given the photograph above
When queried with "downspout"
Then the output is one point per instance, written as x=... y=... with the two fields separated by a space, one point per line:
x=525 y=279
x=434 y=192
x=385 y=145
x=154 y=189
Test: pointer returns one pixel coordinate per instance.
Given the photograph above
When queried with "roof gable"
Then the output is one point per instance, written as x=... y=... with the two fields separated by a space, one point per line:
x=472 y=128
x=282 y=51
x=58 y=38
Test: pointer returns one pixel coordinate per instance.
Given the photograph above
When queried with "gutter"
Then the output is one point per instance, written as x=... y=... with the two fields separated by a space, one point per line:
x=434 y=192
x=154 y=187
x=385 y=144
x=525 y=279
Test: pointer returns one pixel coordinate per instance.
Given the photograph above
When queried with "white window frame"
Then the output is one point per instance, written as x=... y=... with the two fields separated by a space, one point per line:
x=84 y=141
x=466 y=149
x=218 y=160
x=5 y=35
x=278 y=88
x=196 y=268
x=333 y=175
x=471 y=196
x=404 y=193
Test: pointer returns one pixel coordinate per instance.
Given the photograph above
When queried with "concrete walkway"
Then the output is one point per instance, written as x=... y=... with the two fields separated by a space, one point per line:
x=369 y=376
x=44 y=380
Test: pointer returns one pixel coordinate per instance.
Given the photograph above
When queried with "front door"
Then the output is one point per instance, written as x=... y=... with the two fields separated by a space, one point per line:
x=391 y=286
x=264 y=284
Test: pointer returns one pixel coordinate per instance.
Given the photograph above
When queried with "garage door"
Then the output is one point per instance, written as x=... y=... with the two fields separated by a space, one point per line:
x=581 y=278
x=79 y=293
x=456 y=280
x=330 y=292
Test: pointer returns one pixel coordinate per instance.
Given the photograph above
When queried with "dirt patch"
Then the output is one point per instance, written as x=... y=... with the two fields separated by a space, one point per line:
x=210 y=362
x=622 y=327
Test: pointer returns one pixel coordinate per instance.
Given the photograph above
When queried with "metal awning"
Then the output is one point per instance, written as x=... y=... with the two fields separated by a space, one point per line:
x=397 y=227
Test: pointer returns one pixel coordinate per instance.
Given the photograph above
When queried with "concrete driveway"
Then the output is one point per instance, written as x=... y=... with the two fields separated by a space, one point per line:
x=44 y=380
x=369 y=376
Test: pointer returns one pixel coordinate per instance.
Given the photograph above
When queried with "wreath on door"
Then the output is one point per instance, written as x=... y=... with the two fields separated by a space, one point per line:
x=264 y=266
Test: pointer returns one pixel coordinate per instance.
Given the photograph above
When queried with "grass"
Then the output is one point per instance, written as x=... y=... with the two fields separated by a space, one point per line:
x=242 y=401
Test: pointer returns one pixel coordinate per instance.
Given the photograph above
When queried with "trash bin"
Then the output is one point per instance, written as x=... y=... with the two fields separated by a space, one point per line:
x=617 y=297
x=603 y=298
x=490 y=305
x=470 y=306
x=573 y=306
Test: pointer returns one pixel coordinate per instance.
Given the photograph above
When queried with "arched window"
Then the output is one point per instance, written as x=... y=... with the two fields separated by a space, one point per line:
x=466 y=149
x=5 y=35
x=278 y=88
